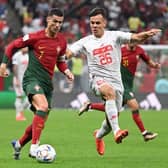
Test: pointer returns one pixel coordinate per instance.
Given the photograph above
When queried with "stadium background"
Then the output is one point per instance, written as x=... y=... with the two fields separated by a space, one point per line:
x=24 y=16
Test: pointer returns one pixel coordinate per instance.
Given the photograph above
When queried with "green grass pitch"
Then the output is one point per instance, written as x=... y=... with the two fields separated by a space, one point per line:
x=72 y=137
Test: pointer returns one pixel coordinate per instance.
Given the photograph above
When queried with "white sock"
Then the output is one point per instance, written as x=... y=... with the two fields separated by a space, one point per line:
x=18 y=106
x=33 y=149
x=144 y=132
x=104 y=130
x=26 y=103
x=112 y=115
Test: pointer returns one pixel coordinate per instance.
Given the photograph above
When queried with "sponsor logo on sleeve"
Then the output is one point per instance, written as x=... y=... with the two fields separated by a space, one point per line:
x=25 y=37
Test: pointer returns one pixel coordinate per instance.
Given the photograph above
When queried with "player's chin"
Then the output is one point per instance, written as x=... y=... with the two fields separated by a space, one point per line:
x=96 y=32
x=55 y=30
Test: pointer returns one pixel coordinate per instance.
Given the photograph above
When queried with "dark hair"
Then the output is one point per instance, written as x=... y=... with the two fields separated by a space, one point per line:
x=97 y=11
x=55 y=11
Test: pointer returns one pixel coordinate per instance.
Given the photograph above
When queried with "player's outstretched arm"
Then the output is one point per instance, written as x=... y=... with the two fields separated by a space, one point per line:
x=141 y=37
x=153 y=64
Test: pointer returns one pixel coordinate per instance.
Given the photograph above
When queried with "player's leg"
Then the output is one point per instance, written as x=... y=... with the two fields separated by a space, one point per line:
x=121 y=134
x=99 y=134
x=18 y=144
x=26 y=103
x=109 y=95
x=134 y=106
x=18 y=101
x=19 y=109
x=40 y=102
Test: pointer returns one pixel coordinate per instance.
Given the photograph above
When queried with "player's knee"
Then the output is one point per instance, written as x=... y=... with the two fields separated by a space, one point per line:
x=43 y=107
x=135 y=106
x=109 y=95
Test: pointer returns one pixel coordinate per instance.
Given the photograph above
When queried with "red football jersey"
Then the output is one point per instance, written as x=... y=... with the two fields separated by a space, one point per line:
x=130 y=58
x=47 y=50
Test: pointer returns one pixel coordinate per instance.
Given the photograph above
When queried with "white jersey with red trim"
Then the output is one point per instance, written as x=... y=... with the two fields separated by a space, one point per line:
x=103 y=54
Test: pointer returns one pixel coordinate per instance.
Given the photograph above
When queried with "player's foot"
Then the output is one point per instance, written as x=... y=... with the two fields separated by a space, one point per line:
x=33 y=150
x=17 y=148
x=84 y=108
x=100 y=145
x=149 y=136
x=20 y=117
x=120 y=135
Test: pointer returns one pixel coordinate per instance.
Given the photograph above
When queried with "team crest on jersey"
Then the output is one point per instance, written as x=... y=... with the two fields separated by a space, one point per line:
x=37 y=88
x=131 y=94
x=137 y=57
x=58 y=49
x=25 y=37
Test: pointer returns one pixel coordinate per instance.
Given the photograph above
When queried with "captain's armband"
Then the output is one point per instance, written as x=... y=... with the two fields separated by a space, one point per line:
x=62 y=58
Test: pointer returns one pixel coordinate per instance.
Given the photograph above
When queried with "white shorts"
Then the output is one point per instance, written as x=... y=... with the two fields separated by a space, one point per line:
x=96 y=82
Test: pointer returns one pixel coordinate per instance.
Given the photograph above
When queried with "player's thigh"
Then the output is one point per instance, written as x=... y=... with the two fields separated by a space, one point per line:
x=101 y=86
x=34 y=88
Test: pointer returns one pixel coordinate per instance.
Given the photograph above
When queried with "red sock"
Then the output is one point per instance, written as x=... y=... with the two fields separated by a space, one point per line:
x=136 y=117
x=37 y=126
x=27 y=136
x=97 y=106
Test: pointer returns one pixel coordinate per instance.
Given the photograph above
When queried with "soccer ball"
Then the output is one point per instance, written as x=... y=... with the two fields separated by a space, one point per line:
x=45 y=154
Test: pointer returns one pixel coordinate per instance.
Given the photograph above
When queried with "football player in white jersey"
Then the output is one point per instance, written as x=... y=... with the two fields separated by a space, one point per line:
x=20 y=62
x=103 y=51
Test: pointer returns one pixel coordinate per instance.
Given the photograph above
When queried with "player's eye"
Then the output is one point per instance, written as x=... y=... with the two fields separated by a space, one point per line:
x=56 y=21
x=97 y=23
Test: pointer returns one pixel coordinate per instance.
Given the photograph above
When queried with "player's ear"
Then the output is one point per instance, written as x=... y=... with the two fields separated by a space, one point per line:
x=48 y=19
x=105 y=23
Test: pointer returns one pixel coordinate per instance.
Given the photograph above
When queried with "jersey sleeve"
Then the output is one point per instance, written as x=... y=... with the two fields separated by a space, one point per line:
x=21 y=42
x=62 y=66
x=123 y=37
x=61 y=62
x=143 y=55
x=77 y=47
x=63 y=46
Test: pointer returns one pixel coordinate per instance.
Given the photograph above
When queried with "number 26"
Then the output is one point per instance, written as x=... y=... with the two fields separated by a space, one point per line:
x=105 y=59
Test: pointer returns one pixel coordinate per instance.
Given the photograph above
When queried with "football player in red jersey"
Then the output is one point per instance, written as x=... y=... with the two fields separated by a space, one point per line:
x=131 y=54
x=46 y=49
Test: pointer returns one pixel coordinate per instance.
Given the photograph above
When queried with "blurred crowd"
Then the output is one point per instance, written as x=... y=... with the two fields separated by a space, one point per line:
x=125 y=15
x=134 y=15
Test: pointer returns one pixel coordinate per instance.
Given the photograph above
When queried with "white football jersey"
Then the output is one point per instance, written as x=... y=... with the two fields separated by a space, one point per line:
x=103 y=54
x=21 y=60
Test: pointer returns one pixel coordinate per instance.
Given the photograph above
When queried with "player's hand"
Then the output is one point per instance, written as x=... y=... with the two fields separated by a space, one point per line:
x=153 y=32
x=157 y=65
x=69 y=75
x=3 y=70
